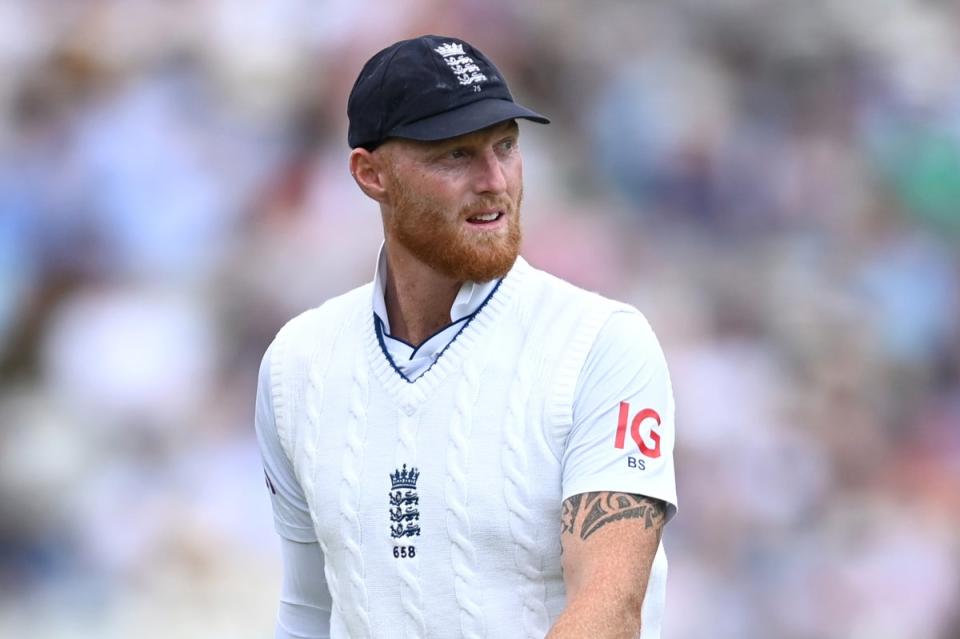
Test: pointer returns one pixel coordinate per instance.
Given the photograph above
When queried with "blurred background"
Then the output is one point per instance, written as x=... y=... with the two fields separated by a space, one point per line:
x=776 y=185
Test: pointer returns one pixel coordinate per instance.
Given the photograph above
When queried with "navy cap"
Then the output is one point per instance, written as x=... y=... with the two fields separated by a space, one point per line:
x=428 y=88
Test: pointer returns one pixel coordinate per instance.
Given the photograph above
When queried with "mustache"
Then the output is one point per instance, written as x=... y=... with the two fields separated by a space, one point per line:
x=499 y=203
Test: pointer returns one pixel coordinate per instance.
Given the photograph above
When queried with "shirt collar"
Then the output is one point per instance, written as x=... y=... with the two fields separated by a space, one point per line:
x=469 y=298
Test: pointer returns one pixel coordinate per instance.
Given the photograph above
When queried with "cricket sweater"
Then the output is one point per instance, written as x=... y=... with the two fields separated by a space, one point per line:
x=436 y=502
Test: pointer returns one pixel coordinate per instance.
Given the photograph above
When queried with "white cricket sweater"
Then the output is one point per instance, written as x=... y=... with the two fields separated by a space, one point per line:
x=437 y=502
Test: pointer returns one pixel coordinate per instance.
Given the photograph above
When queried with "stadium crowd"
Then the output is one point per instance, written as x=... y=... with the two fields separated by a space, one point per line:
x=775 y=185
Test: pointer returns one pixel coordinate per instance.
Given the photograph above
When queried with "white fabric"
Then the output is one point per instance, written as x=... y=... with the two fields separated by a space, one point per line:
x=305 y=601
x=413 y=361
x=554 y=369
x=291 y=515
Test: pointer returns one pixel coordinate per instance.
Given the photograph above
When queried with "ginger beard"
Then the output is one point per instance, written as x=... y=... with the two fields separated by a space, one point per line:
x=423 y=225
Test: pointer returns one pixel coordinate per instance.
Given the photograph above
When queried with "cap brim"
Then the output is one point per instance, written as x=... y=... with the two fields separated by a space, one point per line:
x=466 y=119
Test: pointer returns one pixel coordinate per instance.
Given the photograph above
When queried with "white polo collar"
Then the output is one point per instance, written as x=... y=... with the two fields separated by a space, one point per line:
x=414 y=360
x=465 y=304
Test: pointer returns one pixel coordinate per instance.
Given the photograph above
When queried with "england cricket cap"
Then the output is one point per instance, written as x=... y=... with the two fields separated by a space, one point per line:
x=428 y=88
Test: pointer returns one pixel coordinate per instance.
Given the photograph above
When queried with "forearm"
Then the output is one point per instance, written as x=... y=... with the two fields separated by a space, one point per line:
x=600 y=612
x=609 y=542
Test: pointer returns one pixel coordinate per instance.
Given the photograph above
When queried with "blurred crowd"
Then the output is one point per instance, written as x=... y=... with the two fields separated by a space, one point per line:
x=775 y=185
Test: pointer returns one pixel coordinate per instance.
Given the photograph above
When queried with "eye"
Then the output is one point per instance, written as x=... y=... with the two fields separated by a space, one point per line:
x=456 y=154
x=507 y=144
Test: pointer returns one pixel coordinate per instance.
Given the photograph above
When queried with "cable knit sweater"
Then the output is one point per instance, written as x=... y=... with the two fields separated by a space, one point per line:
x=437 y=502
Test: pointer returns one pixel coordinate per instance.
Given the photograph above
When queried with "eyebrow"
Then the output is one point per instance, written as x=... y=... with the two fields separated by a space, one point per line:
x=508 y=127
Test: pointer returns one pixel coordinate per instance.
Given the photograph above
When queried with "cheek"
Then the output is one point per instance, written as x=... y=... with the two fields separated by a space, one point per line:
x=516 y=192
x=516 y=174
x=417 y=190
x=445 y=195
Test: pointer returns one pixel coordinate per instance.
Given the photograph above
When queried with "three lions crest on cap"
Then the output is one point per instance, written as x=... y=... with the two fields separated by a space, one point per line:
x=463 y=66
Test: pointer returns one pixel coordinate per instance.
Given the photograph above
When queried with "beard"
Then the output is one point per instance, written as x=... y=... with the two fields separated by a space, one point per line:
x=441 y=241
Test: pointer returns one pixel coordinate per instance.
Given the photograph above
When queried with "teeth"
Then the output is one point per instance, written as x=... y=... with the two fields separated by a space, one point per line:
x=486 y=217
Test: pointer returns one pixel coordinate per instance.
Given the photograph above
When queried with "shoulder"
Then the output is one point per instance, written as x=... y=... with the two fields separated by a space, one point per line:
x=625 y=357
x=290 y=356
x=608 y=342
x=315 y=322
x=313 y=327
x=546 y=294
x=628 y=333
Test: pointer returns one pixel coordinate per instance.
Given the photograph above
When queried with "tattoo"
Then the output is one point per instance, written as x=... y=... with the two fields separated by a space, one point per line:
x=569 y=515
x=602 y=508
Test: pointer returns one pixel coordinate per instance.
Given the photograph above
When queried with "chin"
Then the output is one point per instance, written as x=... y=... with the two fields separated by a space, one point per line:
x=474 y=263
x=488 y=271
x=458 y=253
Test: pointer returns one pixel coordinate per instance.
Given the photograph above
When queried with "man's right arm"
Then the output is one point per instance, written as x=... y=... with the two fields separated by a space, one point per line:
x=305 y=602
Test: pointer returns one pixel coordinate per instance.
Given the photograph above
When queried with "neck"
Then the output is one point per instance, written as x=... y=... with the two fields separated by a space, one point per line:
x=418 y=299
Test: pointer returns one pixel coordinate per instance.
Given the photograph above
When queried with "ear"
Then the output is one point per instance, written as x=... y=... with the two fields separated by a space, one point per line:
x=367 y=170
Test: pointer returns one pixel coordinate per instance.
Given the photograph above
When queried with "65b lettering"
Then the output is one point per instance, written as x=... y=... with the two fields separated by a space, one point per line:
x=404 y=552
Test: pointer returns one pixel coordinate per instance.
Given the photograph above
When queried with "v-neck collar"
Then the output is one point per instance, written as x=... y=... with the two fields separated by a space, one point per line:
x=460 y=325
x=469 y=298
x=409 y=394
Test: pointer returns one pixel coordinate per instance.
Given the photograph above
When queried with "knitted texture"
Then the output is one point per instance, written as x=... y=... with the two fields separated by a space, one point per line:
x=289 y=369
x=411 y=594
x=458 y=516
x=529 y=560
x=350 y=495
x=484 y=427
x=315 y=374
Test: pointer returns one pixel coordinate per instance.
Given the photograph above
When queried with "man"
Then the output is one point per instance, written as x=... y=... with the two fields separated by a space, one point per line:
x=466 y=446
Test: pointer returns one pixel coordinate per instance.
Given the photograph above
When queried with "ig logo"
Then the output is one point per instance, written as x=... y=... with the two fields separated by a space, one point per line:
x=643 y=430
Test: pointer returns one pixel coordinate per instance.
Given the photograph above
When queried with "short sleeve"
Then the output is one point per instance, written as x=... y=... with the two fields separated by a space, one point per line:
x=291 y=515
x=623 y=430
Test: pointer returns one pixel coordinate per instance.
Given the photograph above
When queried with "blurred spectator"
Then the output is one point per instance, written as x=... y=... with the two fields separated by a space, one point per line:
x=775 y=185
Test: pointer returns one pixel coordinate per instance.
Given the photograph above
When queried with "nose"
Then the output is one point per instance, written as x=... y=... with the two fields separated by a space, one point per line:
x=490 y=176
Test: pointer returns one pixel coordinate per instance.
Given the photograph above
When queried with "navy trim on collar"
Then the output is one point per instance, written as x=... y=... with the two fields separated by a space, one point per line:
x=378 y=326
x=417 y=348
x=383 y=347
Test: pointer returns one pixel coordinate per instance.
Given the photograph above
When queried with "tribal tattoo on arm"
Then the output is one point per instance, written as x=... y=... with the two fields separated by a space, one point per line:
x=587 y=513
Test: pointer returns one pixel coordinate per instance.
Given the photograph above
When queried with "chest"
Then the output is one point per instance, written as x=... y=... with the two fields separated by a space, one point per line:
x=473 y=460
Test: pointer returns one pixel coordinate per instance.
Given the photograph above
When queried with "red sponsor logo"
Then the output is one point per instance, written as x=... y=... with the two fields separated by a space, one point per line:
x=637 y=426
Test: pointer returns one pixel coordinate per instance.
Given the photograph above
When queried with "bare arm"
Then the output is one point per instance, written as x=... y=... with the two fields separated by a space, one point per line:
x=609 y=541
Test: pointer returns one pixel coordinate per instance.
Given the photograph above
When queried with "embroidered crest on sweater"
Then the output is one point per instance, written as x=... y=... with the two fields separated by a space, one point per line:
x=404 y=513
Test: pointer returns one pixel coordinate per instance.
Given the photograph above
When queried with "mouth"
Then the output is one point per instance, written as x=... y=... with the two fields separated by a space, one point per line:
x=486 y=219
